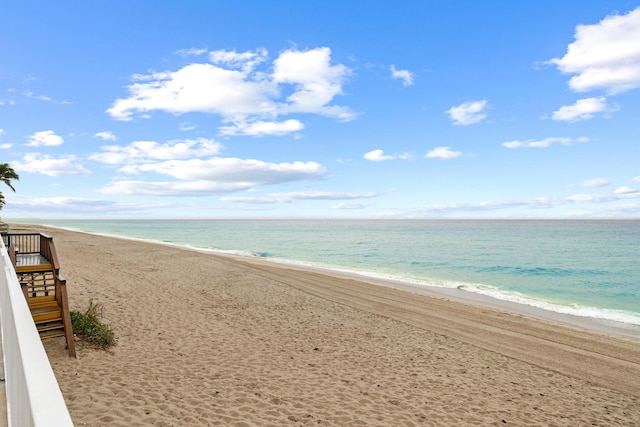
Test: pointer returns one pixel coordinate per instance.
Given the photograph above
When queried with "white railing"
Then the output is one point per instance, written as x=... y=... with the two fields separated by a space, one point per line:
x=33 y=395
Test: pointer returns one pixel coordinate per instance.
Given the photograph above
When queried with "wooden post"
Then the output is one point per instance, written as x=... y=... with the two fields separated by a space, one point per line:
x=66 y=316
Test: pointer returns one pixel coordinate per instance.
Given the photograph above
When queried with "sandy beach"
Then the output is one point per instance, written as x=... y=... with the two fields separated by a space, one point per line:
x=216 y=340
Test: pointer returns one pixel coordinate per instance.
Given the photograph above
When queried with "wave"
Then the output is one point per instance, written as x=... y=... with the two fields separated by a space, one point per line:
x=540 y=271
x=619 y=316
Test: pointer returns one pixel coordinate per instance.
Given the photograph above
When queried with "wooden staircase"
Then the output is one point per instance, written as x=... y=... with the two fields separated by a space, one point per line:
x=36 y=264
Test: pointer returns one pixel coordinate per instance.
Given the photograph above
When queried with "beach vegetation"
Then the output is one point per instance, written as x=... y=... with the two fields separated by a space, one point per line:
x=7 y=174
x=88 y=325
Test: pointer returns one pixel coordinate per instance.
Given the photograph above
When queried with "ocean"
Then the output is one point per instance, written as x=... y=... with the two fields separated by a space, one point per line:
x=587 y=268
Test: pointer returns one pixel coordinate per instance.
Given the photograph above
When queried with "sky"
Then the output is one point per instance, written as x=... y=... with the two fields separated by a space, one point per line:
x=321 y=109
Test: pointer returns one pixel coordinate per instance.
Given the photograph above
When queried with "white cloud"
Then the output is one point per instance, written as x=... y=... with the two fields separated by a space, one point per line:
x=316 y=82
x=197 y=88
x=535 y=203
x=583 y=109
x=443 y=153
x=625 y=190
x=619 y=194
x=54 y=207
x=326 y=195
x=254 y=172
x=592 y=198
x=267 y=200
x=624 y=193
x=186 y=126
x=215 y=175
x=46 y=165
x=246 y=61
x=231 y=87
x=635 y=179
x=350 y=205
x=175 y=188
x=605 y=55
x=261 y=128
x=145 y=151
x=31 y=95
x=180 y=160
x=106 y=135
x=404 y=75
x=63 y=203
x=46 y=138
x=279 y=198
x=468 y=113
x=596 y=182
x=379 y=156
x=194 y=51
x=543 y=143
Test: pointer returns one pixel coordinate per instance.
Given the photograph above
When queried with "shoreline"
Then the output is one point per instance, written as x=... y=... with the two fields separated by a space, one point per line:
x=595 y=324
x=206 y=339
x=592 y=324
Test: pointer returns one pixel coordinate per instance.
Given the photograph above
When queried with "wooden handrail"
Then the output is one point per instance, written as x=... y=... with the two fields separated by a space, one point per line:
x=51 y=251
x=46 y=243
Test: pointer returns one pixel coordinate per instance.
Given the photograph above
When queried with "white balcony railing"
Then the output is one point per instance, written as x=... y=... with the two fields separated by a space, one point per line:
x=33 y=395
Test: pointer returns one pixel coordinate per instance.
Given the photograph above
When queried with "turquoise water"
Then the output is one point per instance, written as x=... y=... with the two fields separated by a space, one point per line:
x=586 y=268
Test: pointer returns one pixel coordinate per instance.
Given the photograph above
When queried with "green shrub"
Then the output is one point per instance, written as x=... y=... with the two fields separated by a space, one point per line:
x=89 y=326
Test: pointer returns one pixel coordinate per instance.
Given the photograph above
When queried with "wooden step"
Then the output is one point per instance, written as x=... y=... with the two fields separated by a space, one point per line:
x=42 y=301
x=48 y=326
x=52 y=334
x=52 y=316
x=50 y=329
x=36 y=268
x=46 y=313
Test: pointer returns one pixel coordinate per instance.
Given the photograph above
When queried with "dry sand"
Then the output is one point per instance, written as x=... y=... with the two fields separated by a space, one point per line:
x=215 y=340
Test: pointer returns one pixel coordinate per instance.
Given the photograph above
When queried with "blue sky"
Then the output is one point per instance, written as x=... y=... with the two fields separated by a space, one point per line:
x=341 y=109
